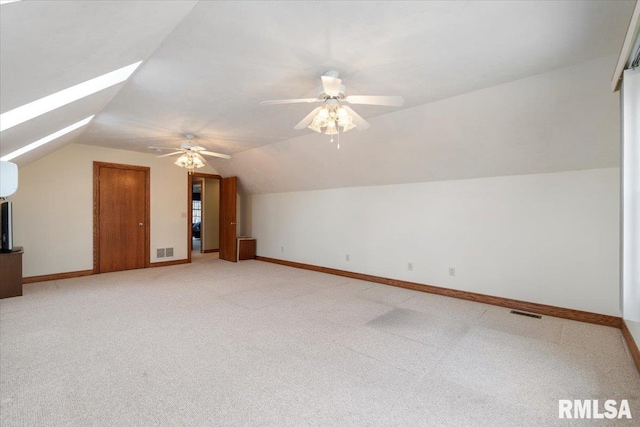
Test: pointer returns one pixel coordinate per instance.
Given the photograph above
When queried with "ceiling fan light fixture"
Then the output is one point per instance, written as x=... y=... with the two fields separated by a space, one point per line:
x=348 y=126
x=197 y=163
x=190 y=155
x=332 y=129
x=324 y=113
x=330 y=119
x=344 y=120
x=315 y=126
x=332 y=92
x=189 y=162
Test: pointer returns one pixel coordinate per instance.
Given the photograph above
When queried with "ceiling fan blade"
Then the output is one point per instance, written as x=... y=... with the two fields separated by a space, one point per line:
x=197 y=148
x=361 y=123
x=305 y=122
x=162 y=148
x=170 y=154
x=211 y=153
x=289 y=101
x=331 y=85
x=391 y=101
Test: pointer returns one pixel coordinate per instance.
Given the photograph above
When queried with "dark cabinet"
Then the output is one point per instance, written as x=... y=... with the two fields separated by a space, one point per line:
x=246 y=248
x=10 y=274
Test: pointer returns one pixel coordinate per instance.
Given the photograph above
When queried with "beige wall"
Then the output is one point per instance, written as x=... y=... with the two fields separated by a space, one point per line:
x=210 y=226
x=53 y=207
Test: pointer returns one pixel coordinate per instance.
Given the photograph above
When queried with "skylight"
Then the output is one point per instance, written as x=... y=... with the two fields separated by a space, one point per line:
x=48 y=103
x=46 y=139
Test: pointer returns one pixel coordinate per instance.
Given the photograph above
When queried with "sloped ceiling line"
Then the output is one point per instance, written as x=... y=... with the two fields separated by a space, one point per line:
x=35 y=128
x=209 y=64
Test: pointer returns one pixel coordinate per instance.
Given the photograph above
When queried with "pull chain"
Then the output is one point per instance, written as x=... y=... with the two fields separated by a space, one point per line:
x=338 y=128
x=338 y=139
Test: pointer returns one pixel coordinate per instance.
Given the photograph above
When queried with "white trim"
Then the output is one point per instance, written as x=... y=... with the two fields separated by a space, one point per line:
x=629 y=41
x=631 y=196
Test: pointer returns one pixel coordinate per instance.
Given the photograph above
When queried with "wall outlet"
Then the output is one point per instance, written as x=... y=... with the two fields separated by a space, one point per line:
x=410 y=266
x=281 y=248
x=347 y=257
x=168 y=252
x=160 y=253
x=452 y=271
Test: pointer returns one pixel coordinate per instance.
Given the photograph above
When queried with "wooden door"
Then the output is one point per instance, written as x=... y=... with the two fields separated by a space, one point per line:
x=121 y=223
x=228 y=220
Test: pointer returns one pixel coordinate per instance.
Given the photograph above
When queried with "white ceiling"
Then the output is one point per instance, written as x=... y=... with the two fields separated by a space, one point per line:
x=208 y=64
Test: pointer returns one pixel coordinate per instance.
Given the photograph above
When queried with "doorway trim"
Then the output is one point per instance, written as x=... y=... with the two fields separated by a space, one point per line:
x=190 y=206
x=96 y=210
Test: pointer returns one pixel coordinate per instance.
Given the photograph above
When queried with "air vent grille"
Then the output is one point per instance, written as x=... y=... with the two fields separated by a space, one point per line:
x=636 y=61
x=522 y=313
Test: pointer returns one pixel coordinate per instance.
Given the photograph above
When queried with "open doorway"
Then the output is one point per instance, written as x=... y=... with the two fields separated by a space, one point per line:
x=204 y=214
x=196 y=215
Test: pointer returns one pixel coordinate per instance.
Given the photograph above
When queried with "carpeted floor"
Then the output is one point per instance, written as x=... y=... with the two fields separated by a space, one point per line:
x=252 y=343
x=195 y=245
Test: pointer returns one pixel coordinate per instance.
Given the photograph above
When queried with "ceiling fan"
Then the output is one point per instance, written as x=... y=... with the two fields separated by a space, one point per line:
x=333 y=115
x=191 y=155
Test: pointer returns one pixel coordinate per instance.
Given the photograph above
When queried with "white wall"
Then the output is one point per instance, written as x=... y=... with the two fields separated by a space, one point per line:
x=544 y=238
x=53 y=208
x=634 y=328
x=631 y=201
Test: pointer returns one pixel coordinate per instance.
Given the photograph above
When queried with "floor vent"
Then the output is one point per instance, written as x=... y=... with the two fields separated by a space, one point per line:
x=522 y=313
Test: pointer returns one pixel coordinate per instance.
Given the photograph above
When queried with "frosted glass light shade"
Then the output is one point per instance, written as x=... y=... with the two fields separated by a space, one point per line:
x=189 y=161
x=331 y=128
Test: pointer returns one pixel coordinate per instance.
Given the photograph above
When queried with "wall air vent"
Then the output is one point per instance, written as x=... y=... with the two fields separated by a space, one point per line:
x=636 y=61
x=522 y=313
x=160 y=253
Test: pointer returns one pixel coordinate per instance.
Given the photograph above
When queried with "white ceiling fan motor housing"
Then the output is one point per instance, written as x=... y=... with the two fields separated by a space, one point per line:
x=322 y=95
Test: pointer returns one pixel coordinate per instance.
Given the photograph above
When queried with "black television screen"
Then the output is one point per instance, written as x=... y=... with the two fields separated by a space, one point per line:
x=7 y=226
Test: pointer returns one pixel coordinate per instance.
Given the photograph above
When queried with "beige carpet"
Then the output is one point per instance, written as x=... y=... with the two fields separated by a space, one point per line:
x=252 y=343
x=195 y=245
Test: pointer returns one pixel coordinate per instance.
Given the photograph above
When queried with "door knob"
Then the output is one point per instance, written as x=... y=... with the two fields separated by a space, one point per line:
x=234 y=223
x=140 y=224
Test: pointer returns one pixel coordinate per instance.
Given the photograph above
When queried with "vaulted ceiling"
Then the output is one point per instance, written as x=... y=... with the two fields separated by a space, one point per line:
x=208 y=64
